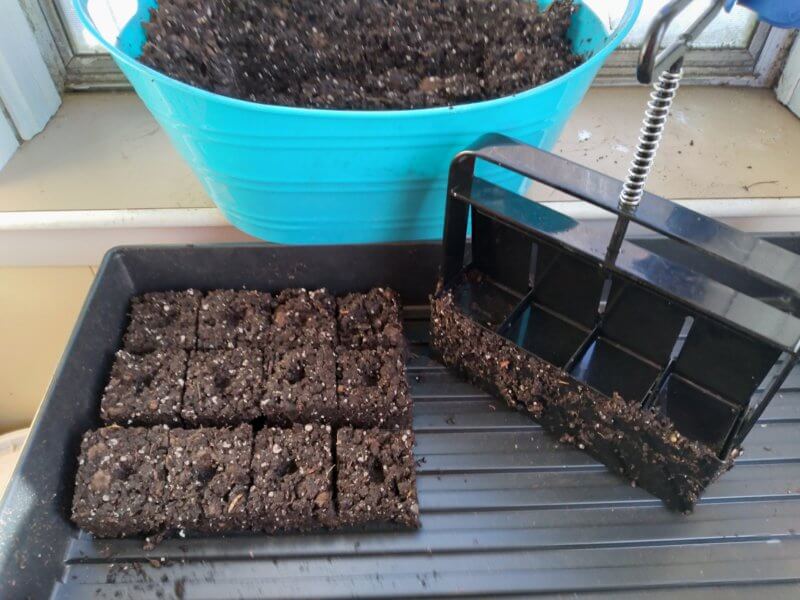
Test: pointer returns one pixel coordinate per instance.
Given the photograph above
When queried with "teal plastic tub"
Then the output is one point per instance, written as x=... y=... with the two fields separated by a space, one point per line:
x=306 y=176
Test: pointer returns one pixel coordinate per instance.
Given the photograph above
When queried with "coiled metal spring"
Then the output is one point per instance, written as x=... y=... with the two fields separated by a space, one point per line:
x=655 y=117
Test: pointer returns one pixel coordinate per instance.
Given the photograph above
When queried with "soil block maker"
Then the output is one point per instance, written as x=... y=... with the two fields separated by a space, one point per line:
x=657 y=364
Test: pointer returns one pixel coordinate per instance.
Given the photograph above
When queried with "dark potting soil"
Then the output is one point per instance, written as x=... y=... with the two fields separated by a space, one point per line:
x=222 y=387
x=162 y=320
x=231 y=318
x=372 y=388
x=208 y=478
x=300 y=386
x=120 y=485
x=292 y=479
x=302 y=316
x=361 y=54
x=145 y=389
x=370 y=320
x=376 y=477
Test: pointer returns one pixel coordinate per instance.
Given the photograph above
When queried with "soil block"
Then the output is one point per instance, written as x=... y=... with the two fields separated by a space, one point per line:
x=145 y=389
x=162 y=320
x=641 y=445
x=120 y=485
x=292 y=479
x=372 y=388
x=370 y=320
x=222 y=387
x=301 y=317
x=376 y=478
x=300 y=386
x=233 y=318
x=208 y=478
x=361 y=54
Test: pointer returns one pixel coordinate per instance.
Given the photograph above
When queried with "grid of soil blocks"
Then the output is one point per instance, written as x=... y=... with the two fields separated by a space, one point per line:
x=235 y=410
x=135 y=480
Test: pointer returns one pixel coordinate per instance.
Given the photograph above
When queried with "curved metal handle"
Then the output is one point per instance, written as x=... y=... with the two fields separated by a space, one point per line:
x=652 y=62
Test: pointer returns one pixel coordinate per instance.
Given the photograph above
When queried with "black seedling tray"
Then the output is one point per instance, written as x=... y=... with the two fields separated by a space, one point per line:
x=505 y=509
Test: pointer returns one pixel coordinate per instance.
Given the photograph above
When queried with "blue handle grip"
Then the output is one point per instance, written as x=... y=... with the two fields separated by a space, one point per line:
x=780 y=13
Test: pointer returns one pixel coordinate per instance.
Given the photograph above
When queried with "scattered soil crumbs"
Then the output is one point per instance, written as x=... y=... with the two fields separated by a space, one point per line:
x=361 y=54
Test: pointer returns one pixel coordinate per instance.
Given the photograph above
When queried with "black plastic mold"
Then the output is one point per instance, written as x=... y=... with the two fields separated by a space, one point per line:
x=617 y=316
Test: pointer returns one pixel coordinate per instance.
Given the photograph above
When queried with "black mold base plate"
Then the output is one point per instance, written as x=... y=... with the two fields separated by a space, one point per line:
x=505 y=509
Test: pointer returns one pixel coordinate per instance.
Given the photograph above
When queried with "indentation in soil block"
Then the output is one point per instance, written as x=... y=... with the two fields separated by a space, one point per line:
x=120 y=485
x=370 y=320
x=376 y=480
x=292 y=473
x=145 y=389
x=372 y=388
x=303 y=316
x=208 y=478
x=222 y=387
x=300 y=386
x=162 y=320
x=232 y=318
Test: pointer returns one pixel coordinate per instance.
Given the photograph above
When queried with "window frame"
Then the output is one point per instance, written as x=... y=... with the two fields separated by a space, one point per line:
x=757 y=65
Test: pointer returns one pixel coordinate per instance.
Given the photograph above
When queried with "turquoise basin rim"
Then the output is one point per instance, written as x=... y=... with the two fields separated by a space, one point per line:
x=626 y=23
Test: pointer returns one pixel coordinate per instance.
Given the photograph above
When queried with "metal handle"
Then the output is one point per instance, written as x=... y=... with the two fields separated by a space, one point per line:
x=653 y=62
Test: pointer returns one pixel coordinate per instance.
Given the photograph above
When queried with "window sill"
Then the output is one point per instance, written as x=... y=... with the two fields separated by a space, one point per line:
x=104 y=165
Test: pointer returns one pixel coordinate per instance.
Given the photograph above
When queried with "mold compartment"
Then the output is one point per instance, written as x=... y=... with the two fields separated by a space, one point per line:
x=726 y=363
x=634 y=340
x=697 y=413
x=546 y=334
x=483 y=299
x=610 y=368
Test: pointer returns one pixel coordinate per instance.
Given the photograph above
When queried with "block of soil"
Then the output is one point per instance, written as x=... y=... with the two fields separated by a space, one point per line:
x=301 y=317
x=370 y=320
x=292 y=473
x=208 y=478
x=161 y=321
x=372 y=388
x=222 y=387
x=361 y=54
x=300 y=386
x=145 y=389
x=376 y=478
x=121 y=481
x=233 y=318
x=636 y=443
